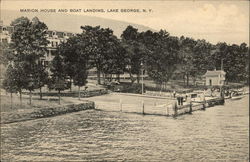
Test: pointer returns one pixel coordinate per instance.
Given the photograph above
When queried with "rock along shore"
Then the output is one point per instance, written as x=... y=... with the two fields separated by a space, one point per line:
x=29 y=114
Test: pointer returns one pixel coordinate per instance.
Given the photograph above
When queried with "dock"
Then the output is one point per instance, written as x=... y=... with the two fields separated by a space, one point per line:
x=188 y=108
x=145 y=105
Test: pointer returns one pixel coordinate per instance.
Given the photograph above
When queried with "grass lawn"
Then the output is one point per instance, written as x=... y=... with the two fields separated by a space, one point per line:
x=35 y=103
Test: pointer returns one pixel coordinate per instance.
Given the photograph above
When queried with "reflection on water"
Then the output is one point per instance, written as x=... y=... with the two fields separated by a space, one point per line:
x=219 y=133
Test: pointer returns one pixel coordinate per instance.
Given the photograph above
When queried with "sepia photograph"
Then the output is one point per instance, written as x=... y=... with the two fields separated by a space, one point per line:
x=117 y=80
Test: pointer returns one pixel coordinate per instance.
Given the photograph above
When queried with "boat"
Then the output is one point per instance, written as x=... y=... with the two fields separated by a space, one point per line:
x=238 y=97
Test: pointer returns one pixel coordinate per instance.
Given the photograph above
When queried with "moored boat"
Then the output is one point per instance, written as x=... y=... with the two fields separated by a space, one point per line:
x=238 y=97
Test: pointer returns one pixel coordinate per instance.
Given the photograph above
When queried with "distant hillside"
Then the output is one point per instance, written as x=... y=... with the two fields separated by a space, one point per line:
x=72 y=23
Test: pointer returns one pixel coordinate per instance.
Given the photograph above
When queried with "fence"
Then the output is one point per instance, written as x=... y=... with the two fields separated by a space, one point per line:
x=147 y=107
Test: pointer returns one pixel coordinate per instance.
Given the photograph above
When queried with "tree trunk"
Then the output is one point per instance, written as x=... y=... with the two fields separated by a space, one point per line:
x=30 y=97
x=20 y=91
x=79 y=92
x=187 y=79
x=118 y=77
x=110 y=79
x=184 y=80
x=70 y=84
x=41 y=95
x=138 y=78
x=11 y=100
x=98 y=77
x=104 y=78
x=131 y=77
x=59 y=96
x=194 y=80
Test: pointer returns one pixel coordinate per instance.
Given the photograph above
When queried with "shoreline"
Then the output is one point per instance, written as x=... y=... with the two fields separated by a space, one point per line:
x=31 y=114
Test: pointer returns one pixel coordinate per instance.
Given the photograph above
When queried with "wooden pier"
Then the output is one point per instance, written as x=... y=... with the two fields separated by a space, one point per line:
x=195 y=105
x=145 y=105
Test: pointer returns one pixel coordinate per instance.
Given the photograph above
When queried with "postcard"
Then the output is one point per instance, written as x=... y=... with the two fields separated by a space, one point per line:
x=116 y=80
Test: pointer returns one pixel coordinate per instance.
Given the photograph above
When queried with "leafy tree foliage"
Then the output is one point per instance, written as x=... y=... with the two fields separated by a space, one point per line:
x=15 y=79
x=9 y=81
x=234 y=59
x=76 y=59
x=186 y=66
x=29 y=43
x=6 y=53
x=135 y=50
x=41 y=77
x=115 y=58
x=104 y=50
x=163 y=58
x=59 y=76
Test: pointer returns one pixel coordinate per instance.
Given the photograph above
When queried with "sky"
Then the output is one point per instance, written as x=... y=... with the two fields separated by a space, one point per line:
x=216 y=21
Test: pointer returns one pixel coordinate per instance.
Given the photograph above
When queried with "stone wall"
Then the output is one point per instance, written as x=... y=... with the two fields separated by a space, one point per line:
x=73 y=94
x=29 y=114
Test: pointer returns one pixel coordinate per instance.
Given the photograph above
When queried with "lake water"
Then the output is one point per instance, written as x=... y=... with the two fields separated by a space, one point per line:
x=219 y=133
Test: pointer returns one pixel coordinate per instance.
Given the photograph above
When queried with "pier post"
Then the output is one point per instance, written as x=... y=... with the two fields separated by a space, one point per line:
x=190 y=108
x=175 y=107
x=204 y=103
x=143 y=107
x=222 y=95
x=120 y=104
x=167 y=110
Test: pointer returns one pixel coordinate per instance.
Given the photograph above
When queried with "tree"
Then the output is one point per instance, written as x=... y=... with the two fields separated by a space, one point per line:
x=9 y=81
x=234 y=59
x=29 y=43
x=186 y=53
x=98 y=42
x=58 y=74
x=80 y=78
x=162 y=61
x=68 y=52
x=41 y=76
x=245 y=52
x=94 y=47
x=19 y=79
x=201 y=58
x=6 y=53
x=135 y=51
x=115 y=58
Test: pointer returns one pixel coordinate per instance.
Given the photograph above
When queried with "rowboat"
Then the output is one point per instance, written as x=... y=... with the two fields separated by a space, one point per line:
x=237 y=97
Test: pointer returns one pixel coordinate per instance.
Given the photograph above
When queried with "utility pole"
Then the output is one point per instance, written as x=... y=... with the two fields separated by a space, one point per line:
x=221 y=89
x=142 y=78
x=221 y=64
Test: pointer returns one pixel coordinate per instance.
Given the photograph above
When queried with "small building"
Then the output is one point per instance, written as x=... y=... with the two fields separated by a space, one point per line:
x=5 y=32
x=215 y=78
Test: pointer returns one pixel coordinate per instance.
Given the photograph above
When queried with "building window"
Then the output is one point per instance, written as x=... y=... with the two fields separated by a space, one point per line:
x=210 y=82
x=56 y=44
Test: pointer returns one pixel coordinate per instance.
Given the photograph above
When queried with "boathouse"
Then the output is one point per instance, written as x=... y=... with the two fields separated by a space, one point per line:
x=215 y=78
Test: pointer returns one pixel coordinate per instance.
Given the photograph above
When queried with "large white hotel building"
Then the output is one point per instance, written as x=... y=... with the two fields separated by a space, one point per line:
x=54 y=37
